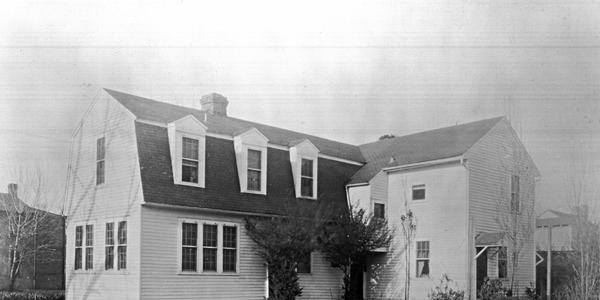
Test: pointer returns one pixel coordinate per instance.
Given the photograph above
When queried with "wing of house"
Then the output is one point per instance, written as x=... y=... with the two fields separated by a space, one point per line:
x=562 y=225
x=158 y=193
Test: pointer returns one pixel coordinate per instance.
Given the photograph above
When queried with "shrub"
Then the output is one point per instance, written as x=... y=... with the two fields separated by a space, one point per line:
x=32 y=295
x=493 y=290
x=531 y=292
x=444 y=292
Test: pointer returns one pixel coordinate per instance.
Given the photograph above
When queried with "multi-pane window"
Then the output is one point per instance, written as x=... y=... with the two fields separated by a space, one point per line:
x=422 y=258
x=306 y=178
x=502 y=262
x=418 y=192
x=189 y=162
x=89 y=247
x=514 y=193
x=189 y=246
x=78 y=247
x=109 y=249
x=122 y=248
x=304 y=263
x=379 y=210
x=209 y=247
x=254 y=170
x=229 y=248
x=100 y=160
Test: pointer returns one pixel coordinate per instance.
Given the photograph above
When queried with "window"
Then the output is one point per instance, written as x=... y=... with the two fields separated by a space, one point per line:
x=502 y=262
x=418 y=192
x=254 y=170
x=78 y=247
x=122 y=248
x=229 y=248
x=209 y=248
x=306 y=178
x=189 y=246
x=423 y=259
x=89 y=247
x=189 y=162
x=304 y=265
x=514 y=193
x=100 y=163
x=109 y=249
x=379 y=211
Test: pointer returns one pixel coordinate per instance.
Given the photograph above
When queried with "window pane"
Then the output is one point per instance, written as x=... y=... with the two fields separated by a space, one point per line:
x=78 y=258
x=210 y=259
x=307 y=168
x=123 y=232
x=306 y=188
x=210 y=236
x=189 y=171
x=422 y=268
x=109 y=234
x=229 y=236
x=188 y=258
x=253 y=180
x=190 y=234
x=89 y=235
x=229 y=260
x=100 y=149
x=109 y=257
x=89 y=258
x=304 y=263
x=100 y=172
x=379 y=211
x=122 y=257
x=423 y=249
x=190 y=148
x=78 y=236
x=254 y=161
x=418 y=192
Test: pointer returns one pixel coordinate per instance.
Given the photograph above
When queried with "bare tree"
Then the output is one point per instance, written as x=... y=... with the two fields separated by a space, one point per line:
x=408 y=229
x=29 y=232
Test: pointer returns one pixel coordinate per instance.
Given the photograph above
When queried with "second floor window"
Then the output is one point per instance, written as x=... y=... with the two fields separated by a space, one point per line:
x=422 y=258
x=100 y=160
x=189 y=162
x=306 y=178
x=515 y=202
x=418 y=192
x=379 y=210
x=254 y=170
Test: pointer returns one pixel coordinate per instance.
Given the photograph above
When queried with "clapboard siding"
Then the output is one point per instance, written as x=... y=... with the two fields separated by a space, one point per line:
x=117 y=198
x=324 y=282
x=491 y=162
x=441 y=219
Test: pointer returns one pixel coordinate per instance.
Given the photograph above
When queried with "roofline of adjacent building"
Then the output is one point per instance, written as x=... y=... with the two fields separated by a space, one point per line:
x=270 y=145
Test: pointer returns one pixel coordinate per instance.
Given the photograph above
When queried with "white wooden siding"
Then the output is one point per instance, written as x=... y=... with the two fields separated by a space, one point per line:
x=323 y=283
x=118 y=197
x=491 y=162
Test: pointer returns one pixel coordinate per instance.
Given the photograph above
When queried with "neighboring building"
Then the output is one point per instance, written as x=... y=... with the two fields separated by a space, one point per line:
x=465 y=184
x=157 y=196
x=44 y=268
x=563 y=224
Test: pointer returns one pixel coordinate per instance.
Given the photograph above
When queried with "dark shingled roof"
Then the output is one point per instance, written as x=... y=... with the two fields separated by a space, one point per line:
x=151 y=110
x=560 y=219
x=420 y=147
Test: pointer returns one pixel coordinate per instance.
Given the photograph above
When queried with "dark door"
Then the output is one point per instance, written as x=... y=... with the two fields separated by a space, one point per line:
x=356 y=279
x=481 y=268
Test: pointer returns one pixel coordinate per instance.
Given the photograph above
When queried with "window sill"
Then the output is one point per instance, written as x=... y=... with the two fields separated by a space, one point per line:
x=189 y=184
x=189 y=273
x=306 y=197
x=254 y=192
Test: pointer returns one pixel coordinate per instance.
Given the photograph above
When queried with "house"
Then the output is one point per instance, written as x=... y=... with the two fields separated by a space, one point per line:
x=562 y=224
x=157 y=195
x=466 y=186
x=42 y=268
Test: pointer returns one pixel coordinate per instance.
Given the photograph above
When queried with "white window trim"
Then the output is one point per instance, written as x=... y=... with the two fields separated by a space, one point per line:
x=315 y=163
x=192 y=128
x=263 y=170
x=199 y=245
x=115 y=222
x=201 y=158
x=412 y=188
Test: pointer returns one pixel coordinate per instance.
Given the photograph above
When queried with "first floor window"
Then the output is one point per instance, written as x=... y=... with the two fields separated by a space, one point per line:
x=229 y=248
x=422 y=258
x=89 y=247
x=209 y=247
x=109 y=249
x=78 y=247
x=304 y=263
x=502 y=262
x=189 y=246
x=122 y=248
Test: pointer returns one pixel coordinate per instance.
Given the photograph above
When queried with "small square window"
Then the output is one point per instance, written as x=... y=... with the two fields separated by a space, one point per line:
x=379 y=211
x=418 y=192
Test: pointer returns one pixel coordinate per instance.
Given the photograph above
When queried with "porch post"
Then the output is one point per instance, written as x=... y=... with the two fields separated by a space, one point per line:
x=549 y=265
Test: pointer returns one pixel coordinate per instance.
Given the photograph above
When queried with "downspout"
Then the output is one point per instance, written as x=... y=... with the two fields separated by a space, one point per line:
x=470 y=237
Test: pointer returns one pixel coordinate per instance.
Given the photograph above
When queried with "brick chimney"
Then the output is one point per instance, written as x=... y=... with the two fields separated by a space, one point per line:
x=214 y=104
x=13 y=189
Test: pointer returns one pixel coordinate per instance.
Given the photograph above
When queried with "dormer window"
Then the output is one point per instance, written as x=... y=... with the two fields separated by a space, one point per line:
x=189 y=162
x=251 y=159
x=187 y=146
x=304 y=159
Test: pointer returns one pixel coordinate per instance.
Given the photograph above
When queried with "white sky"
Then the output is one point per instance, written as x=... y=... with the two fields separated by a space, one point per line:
x=345 y=70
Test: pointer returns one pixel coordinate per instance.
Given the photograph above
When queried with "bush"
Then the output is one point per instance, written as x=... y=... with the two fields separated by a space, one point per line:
x=531 y=292
x=443 y=292
x=493 y=290
x=32 y=295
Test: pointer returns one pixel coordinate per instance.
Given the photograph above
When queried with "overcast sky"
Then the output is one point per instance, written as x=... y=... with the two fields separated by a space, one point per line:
x=345 y=70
